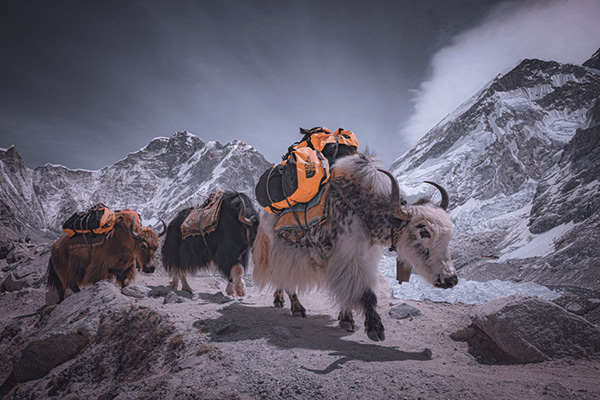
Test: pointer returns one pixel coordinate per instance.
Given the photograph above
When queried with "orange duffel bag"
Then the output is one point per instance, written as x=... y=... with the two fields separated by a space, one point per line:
x=297 y=179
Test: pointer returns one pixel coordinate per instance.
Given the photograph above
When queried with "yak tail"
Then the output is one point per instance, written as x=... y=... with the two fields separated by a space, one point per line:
x=54 y=281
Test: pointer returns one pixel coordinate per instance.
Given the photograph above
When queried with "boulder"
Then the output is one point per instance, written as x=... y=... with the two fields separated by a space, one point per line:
x=139 y=292
x=20 y=252
x=70 y=327
x=519 y=329
x=592 y=304
x=172 y=298
x=11 y=283
x=404 y=310
x=24 y=275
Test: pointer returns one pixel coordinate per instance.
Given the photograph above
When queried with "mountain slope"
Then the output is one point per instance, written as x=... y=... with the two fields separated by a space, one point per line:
x=157 y=181
x=498 y=155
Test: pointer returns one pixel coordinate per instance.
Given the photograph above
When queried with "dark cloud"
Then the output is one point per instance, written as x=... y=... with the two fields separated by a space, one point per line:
x=111 y=75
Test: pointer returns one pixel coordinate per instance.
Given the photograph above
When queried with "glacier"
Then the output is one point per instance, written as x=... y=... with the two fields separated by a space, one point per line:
x=466 y=291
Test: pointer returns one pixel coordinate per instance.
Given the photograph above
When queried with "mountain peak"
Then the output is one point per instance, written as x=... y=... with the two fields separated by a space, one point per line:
x=11 y=156
x=594 y=61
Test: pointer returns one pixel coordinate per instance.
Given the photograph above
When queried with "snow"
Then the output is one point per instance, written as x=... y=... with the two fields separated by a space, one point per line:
x=58 y=166
x=538 y=245
x=466 y=291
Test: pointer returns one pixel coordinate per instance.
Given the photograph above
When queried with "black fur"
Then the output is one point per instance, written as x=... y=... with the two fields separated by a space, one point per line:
x=54 y=281
x=373 y=325
x=227 y=246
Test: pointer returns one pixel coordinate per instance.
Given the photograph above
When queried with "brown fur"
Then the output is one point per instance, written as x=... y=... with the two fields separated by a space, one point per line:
x=118 y=256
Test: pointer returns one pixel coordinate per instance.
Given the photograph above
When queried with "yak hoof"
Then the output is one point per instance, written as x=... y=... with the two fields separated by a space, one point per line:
x=376 y=333
x=229 y=290
x=346 y=321
x=347 y=325
x=187 y=289
x=299 y=311
x=278 y=303
x=240 y=289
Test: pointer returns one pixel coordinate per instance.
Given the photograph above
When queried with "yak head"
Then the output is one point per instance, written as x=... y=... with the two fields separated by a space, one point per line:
x=247 y=215
x=147 y=243
x=425 y=230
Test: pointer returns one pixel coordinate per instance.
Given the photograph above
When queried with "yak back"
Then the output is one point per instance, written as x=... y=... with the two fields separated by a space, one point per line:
x=226 y=246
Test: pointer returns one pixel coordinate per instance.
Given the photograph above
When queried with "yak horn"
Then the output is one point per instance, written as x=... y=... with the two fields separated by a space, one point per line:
x=395 y=198
x=445 y=199
x=135 y=235
x=242 y=215
x=164 y=228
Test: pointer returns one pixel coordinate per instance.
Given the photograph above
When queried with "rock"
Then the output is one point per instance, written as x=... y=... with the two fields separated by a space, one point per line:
x=139 y=292
x=172 y=298
x=70 y=327
x=13 y=284
x=519 y=329
x=575 y=308
x=404 y=311
x=558 y=390
x=592 y=304
x=20 y=252
x=159 y=291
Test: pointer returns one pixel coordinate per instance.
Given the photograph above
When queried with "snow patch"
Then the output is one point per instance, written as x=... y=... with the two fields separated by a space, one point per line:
x=466 y=291
x=537 y=245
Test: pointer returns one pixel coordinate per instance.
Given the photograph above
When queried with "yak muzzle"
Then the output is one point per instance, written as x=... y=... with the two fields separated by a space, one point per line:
x=148 y=269
x=447 y=283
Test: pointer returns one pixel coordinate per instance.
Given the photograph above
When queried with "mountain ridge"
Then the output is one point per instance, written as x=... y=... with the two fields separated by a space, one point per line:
x=497 y=155
x=157 y=180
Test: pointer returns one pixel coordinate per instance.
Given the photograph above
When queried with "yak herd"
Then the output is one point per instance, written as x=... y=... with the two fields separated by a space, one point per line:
x=365 y=213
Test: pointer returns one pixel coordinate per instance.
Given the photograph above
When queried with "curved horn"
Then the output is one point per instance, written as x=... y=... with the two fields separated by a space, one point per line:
x=445 y=199
x=242 y=217
x=135 y=235
x=164 y=228
x=395 y=198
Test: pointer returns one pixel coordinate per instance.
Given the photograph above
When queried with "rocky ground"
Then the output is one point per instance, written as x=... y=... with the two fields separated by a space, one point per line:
x=147 y=342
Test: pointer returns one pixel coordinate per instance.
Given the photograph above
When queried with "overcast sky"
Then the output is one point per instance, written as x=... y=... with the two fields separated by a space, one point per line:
x=83 y=83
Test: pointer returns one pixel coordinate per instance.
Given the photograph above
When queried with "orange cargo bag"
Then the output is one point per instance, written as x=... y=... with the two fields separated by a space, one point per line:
x=295 y=180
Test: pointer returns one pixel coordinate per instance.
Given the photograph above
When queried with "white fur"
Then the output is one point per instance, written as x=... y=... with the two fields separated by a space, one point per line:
x=351 y=266
x=439 y=265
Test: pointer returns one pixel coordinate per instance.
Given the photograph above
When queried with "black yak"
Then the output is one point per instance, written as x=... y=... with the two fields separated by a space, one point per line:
x=227 y=247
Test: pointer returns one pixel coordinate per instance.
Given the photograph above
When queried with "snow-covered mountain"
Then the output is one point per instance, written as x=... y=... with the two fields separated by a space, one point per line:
x=521 y=161
x=158 y=180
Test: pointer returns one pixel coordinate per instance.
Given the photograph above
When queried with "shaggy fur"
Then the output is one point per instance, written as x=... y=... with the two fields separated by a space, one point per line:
x=143 y=257
x=348 y=245
x=70 y=268
x=227 y=248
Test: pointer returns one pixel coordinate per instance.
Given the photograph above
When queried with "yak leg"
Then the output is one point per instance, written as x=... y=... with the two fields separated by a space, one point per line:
x=184 y=284
x=180 y=276
x=373 y=325
x=125 y=277
x=236 y=285
x=346 y=320
x=278 y=299
x=175 y=282
x=297 y=308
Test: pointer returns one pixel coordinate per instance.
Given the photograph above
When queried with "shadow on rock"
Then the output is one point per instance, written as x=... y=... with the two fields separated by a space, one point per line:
x=239 y=322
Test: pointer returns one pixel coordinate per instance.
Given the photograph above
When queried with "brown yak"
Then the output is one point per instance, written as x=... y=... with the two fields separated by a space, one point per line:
x=75 y=262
